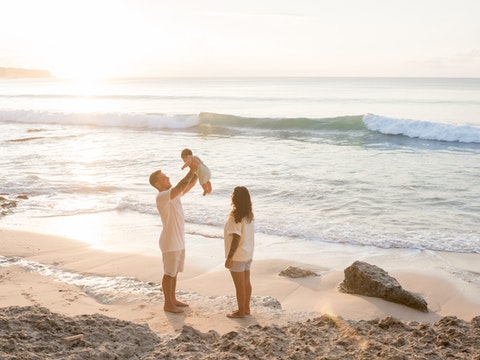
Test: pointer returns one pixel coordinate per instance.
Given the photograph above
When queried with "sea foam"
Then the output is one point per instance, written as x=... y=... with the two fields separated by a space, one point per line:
x=131 y=120
x=422 y=129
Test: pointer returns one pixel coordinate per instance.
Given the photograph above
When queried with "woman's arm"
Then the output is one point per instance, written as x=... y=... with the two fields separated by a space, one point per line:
x=233 y=248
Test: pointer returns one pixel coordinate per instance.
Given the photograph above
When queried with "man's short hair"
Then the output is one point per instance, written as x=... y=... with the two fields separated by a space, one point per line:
x=153 y=177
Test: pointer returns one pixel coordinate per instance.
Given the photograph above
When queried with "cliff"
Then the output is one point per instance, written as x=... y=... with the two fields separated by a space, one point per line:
x=12 y=73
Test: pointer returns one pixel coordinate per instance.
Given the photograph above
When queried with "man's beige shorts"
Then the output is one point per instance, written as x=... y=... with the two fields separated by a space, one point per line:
x=173 y=262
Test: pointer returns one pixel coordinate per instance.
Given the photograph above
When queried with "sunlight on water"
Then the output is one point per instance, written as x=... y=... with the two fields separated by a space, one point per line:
x=315 y=178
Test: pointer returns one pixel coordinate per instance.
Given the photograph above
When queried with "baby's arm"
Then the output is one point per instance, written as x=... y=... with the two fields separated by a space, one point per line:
x=188 y=161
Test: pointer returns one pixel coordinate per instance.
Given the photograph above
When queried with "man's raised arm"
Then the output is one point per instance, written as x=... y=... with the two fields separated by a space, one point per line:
x=185 y=184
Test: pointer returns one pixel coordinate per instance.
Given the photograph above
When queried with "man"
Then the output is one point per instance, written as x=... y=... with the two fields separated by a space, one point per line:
x=172 y=238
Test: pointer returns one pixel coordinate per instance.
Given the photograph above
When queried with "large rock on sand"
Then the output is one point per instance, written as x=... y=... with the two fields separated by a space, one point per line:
x=364 y=279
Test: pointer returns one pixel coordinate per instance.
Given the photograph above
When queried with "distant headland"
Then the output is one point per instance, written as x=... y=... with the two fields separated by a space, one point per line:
x=14 y=73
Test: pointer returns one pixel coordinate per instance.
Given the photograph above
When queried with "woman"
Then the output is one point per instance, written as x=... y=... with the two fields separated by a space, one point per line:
x=239 y=243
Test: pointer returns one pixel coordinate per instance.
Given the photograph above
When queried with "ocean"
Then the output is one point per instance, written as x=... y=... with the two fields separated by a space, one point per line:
x=357 y=163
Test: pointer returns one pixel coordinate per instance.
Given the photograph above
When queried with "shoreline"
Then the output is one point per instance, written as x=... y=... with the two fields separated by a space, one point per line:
x=278 y=303
x=453 y=291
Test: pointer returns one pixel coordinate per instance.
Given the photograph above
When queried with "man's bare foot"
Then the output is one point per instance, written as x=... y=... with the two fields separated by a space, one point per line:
x=236 y=315
x=181 y=304
x=173 y=309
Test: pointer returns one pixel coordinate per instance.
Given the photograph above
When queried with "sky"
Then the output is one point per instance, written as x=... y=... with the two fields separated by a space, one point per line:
x=124 y=38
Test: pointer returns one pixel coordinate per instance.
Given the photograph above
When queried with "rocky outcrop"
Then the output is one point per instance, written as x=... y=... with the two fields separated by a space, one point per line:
x=364 y=279
x=7 y=205
x=295 y=272
x=36 y=333
x=13 y=73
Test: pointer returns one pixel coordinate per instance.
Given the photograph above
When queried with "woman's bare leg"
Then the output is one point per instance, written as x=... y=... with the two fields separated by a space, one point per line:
x=239 y=282
x=248 y=291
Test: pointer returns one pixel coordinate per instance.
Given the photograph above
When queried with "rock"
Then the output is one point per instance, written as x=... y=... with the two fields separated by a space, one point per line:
x=295 y=272
x=34 y=333
x=364 y=279
x=6 y=205
x=266 y=302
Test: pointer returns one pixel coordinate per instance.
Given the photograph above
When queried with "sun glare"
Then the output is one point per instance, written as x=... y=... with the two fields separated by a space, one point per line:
x=82 y=55
x=88 y=40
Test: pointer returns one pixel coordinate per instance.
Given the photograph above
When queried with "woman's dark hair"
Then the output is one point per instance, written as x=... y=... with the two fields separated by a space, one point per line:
x=242 y=204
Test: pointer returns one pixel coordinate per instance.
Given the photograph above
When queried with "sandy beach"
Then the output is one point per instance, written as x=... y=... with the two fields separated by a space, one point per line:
x=47 y=296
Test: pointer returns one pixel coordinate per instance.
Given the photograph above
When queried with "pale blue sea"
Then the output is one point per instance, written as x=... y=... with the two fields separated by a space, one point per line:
x=366 y=163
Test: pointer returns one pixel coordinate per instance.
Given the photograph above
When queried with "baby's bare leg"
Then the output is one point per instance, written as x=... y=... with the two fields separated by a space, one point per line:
x=207 y=188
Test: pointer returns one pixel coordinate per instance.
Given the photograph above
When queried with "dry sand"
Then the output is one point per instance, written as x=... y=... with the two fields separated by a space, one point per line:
x=47 y=296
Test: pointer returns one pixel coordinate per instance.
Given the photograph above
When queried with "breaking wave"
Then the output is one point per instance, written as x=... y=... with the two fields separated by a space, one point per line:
x=219 y=122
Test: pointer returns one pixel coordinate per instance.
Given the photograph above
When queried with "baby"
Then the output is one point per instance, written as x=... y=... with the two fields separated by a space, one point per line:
x=203 y=172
